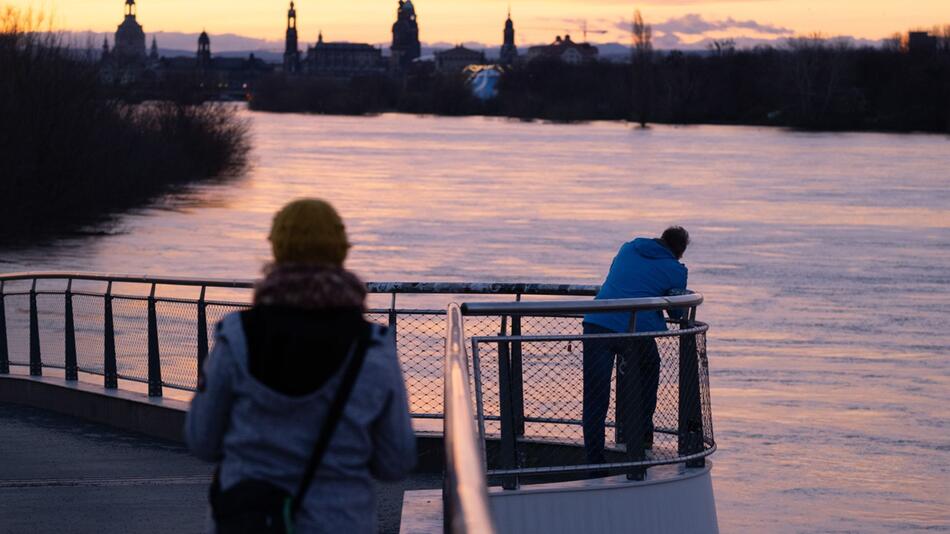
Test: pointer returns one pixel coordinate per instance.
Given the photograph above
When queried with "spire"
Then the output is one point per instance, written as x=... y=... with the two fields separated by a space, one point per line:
x=509 y=51
x=320 y=37
x=291 y=51
x=154 y=52
x=105 y=45
x=204 y=50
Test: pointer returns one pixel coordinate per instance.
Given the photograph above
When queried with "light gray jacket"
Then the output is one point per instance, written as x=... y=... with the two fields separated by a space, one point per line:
x=258 y=433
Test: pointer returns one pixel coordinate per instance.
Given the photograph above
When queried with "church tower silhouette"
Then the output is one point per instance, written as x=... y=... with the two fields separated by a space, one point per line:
x=291 y=50
x=405 y=47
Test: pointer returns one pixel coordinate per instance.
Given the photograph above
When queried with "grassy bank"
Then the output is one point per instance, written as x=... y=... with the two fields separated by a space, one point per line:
x=71 y=153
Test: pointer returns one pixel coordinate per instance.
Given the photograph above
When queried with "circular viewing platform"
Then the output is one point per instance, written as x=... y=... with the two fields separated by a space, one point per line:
x=516 y=427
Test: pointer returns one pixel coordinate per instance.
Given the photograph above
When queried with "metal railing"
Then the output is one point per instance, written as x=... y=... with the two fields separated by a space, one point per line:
x=465 y=496
x=531 y=385
x=158 y=330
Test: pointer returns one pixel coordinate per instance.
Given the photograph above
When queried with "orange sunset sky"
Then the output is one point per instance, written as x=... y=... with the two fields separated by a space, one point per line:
x=454 y=21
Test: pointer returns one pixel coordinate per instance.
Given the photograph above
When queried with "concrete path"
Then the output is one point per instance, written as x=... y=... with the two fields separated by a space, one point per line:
x=59 y=474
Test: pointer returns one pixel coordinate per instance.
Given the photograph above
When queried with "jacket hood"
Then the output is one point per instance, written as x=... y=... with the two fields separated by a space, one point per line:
x=652 y=249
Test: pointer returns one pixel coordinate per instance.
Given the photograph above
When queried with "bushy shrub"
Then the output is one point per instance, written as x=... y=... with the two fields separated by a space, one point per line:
x=71 y=154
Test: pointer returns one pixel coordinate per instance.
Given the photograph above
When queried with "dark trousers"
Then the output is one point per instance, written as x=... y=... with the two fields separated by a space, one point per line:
x=638 y=364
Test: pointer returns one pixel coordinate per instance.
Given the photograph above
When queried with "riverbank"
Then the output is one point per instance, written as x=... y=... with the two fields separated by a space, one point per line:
x=810 y=85
x=71 y=153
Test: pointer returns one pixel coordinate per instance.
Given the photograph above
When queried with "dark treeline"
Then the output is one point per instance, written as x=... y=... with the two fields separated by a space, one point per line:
x=809 y=83
x=71 y=152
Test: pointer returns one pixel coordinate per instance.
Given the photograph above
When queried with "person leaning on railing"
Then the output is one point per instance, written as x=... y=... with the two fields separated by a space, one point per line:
x=642 y=268
x=266 y=398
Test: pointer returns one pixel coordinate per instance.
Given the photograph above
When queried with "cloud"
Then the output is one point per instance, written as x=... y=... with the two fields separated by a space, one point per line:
x=654 y=2
x=695 y=24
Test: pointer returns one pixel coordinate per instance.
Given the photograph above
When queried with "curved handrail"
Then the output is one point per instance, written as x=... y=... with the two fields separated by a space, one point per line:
x=691 y=300
x=465 y=493
x=459 y=288
x=691 y=444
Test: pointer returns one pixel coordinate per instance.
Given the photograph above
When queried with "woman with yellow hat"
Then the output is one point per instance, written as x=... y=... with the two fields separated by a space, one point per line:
x=302 y=401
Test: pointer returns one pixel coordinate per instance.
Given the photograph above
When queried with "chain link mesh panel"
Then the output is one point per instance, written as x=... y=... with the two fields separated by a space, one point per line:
x=50 y=312
x=131 y=338
x=89 y=324
x=549 y=393
x=17 y=309
x=178 y=343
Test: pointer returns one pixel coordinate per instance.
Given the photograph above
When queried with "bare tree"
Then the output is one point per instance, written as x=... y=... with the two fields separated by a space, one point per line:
x=943 y=38
x=642 y=67
x=894 y=43
x=722 y=47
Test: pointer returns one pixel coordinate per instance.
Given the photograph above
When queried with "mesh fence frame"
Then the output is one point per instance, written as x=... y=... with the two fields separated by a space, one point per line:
x=552 y=387
x=552 y=378
x=178 y=343
x=419 y=334
x=131 y=338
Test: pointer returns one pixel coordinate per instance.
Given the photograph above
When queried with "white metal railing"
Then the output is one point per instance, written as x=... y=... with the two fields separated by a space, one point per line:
x=465 y=496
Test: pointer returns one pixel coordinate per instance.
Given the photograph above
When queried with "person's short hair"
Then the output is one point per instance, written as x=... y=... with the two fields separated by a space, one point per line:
x=676 y=239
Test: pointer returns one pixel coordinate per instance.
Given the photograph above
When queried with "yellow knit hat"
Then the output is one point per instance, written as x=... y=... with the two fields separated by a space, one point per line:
x=309 y=230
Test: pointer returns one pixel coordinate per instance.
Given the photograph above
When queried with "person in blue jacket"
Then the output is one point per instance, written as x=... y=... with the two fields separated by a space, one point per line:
x=642 y=268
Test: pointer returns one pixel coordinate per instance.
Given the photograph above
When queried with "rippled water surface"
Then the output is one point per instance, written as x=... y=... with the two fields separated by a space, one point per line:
x=824 y=259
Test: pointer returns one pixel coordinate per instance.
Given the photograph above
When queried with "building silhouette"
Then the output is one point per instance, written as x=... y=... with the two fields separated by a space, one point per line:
x=509 y=51
x=127 y=62
x=211 y=77
x=203 y=58
x=921 y=43
x=456 y=59
x=291 y=48
x=343 y=60
x=405 y=47
x=564 y=50
x=129 y=44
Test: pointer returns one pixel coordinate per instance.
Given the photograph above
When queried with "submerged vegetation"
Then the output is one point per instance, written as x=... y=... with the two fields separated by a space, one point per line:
x=71 y=152
x=808 y=83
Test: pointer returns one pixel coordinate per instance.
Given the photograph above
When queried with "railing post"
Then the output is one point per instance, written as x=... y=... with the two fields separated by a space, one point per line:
x=509 y=441
x=154 y=360
x=72 y=368
x=690 y=432
x=517 y=377
x=202 y=330
x=36 y=359
x=392 y=315
x=4 y=351
x=110 y=371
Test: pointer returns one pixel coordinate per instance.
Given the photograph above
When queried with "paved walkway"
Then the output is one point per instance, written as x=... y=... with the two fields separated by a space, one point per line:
x=59 y=474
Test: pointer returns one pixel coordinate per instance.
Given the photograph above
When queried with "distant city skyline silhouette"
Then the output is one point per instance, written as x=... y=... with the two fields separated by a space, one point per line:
x=682 y=24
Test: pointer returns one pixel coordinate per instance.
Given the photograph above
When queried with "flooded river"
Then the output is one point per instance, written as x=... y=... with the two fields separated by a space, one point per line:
x=824 y=259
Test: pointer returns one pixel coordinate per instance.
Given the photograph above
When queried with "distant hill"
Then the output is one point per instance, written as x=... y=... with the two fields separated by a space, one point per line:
x=172 y=44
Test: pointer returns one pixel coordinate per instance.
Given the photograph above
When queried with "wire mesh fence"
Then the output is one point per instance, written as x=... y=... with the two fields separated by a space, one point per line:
x=555 y=398
x=110 y=321
x=550 y=398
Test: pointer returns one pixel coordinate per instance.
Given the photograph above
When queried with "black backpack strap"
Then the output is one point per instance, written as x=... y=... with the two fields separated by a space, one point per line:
x=335 y=413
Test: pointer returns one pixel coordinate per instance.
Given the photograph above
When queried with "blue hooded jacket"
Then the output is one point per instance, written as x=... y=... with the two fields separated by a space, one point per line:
x=642 y=268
